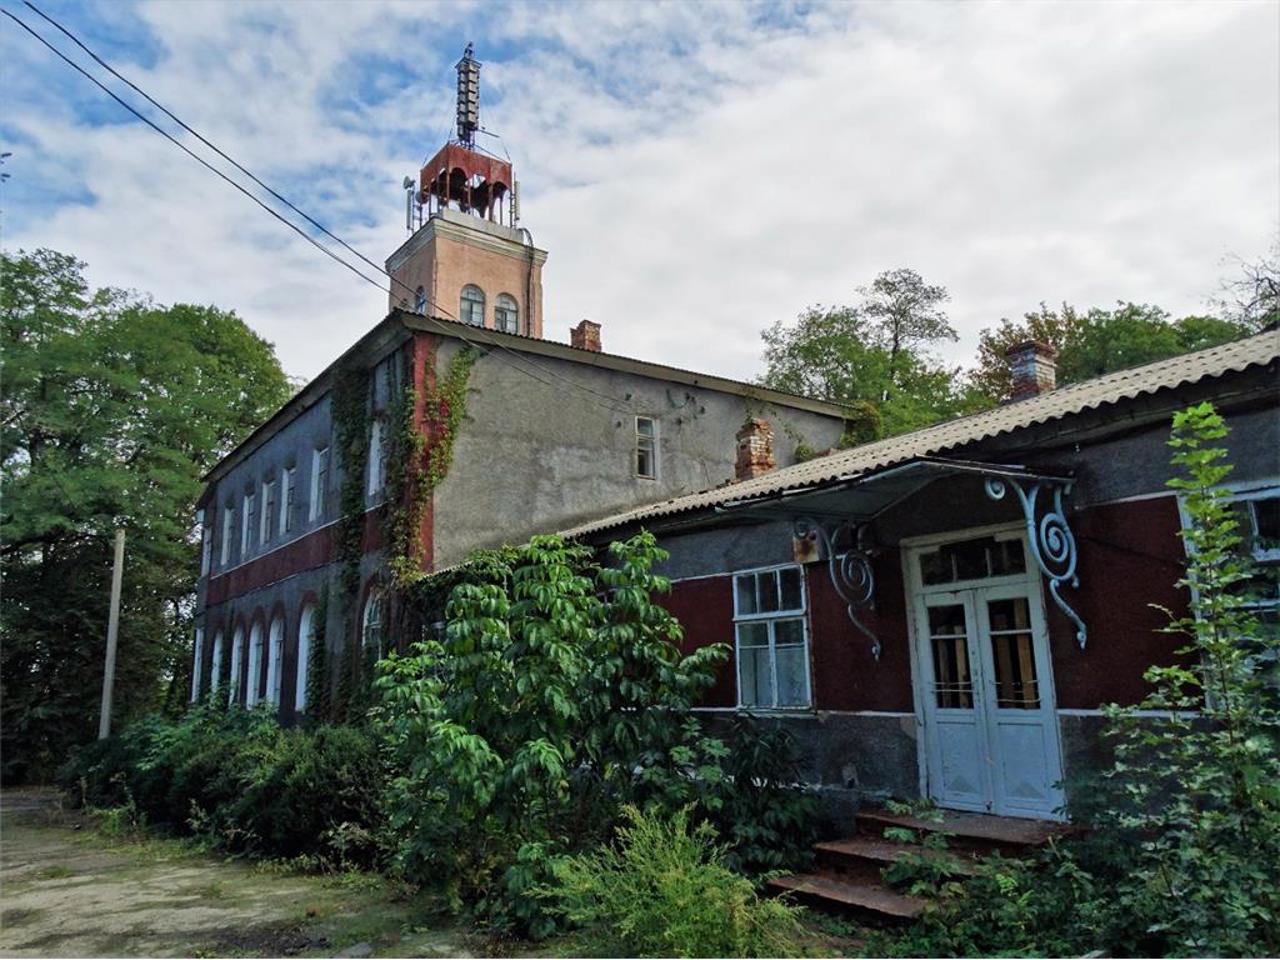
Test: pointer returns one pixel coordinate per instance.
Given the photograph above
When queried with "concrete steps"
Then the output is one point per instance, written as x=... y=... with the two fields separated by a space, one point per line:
x=848 y=874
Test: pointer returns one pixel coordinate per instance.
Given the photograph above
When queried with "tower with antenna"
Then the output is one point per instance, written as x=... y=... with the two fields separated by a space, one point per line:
x=467 y=258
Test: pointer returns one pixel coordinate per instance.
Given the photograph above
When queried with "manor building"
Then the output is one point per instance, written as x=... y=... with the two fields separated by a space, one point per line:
x=302 y=522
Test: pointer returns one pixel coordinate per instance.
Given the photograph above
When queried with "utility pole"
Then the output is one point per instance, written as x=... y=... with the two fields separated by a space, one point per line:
x=113 y=627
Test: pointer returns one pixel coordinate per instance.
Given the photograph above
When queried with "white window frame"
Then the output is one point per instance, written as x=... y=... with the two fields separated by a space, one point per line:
x=319 y=492
x=1265 y=489
x=206 y=543
x=246 y=520
x=275 y=660
x=772 y=617
x=254 y=676
x=652 y=441
x=307 y=629
x=269 y=504
x=228 y=531
x=468 y=305
x=233 y=683
x=215 y=669
x=377 y=460
x=505 y=304
x=288 y=498
x=196 y=663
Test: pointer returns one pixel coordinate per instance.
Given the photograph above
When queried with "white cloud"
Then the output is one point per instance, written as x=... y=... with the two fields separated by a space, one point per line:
x=696 y=171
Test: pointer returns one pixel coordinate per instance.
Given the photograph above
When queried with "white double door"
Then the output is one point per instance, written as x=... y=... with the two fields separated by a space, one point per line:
x=990 y=728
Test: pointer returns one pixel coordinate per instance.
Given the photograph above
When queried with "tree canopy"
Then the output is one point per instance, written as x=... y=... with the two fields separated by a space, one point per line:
x=874 y=356
x=1097 y=341
x=112 y=407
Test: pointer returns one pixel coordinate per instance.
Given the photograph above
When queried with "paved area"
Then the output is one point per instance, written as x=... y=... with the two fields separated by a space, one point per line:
x=66 y=890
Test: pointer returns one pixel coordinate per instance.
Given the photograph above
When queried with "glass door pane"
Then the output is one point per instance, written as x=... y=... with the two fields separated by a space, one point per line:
x=949 y=642
x=1013 y=654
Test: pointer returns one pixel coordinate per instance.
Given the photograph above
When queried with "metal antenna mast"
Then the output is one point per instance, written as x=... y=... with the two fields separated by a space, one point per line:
x=468 y=97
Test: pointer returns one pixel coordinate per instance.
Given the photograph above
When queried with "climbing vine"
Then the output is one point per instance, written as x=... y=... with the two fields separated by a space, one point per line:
x=351 y=418
x=419 y=458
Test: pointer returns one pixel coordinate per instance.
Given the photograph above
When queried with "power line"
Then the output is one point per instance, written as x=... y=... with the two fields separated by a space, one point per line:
x=611 y=402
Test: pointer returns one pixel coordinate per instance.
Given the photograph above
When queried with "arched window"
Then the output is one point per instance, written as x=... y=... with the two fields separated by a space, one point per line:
x=506 y=314
x=215 y=671
x=374 y=621
x=196 y=663
x=307 y=624
x=472 y=305
x=254 y=679
x=275 y=660
x=420 y=300
x=237 y=642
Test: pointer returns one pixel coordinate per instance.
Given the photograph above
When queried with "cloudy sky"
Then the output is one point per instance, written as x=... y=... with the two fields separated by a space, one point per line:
x=697 y=171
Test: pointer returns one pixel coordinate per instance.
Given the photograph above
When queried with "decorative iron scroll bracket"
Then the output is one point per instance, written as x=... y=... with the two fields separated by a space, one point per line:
x=1052 y=543
x=850 y=571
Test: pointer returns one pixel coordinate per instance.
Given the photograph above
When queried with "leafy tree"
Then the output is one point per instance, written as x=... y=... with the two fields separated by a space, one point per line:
x=873 y=356
x=111 y=409
x=1097 y=342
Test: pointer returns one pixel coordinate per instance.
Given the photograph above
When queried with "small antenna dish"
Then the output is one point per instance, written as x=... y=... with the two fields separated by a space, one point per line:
x=408 y=183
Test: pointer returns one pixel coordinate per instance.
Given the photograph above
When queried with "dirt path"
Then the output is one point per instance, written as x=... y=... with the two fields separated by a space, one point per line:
x=68 y=891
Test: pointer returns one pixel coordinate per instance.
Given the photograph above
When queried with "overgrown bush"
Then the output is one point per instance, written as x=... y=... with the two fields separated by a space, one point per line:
x=238 y=779
x=665 y=889
x=557 y=695
x=1182 y=852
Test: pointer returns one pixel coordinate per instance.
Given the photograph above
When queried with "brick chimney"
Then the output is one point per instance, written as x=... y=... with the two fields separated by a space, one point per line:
x=755 y=450
x=1034 y=369
x=586 y=336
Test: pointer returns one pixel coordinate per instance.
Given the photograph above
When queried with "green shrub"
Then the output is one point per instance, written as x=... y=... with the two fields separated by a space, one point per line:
x=239 y=779
x=556 y=694
x=665 y=890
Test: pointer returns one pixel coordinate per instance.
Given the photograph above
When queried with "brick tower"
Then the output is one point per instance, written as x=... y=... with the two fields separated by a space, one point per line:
x=466 y=258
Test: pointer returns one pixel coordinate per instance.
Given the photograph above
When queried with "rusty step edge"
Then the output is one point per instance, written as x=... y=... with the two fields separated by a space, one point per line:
x=875 y=899
x=885 y=852
x=1004 y=831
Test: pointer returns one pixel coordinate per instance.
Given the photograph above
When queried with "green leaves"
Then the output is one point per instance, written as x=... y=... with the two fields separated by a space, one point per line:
x=111 y=409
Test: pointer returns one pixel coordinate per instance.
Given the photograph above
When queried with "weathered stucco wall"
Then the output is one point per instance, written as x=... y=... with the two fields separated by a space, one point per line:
x=536 y=455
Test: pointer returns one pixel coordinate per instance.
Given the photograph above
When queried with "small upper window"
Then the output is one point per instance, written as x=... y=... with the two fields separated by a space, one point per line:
x=647 y=447
x=250 y=522
x=288 y=498
x=420 y=300
x=472 y=305
x=506 y=314
x=268 y=510
x=377 y=461
x=228 y=531
x=319 y=481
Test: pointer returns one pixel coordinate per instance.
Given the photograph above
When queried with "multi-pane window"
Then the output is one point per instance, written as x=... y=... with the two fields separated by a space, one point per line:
x=288 y=499
x=974 y=559
x=206 y=543
x=1258 y=523
x=268 y=510
x=319 y=481
x=377 y=462
x=772 y=638
x=420 y=300
x=228 y=531
x=506 y=314
x=250 y=524
x=647 y=447
x=471 y=305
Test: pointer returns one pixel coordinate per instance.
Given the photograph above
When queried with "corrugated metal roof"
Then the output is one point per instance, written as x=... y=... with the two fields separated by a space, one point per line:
x=1189 y=368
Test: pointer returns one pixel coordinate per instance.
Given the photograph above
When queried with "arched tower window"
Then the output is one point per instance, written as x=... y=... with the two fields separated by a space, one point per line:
x=420 y=300
x=506 y=314
x=472 y=305
x=374 y=621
